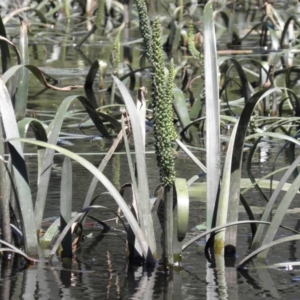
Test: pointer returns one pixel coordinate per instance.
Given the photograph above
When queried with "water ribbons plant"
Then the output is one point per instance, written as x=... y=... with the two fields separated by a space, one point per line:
x=164 y=131
x=115 y=55
x=161 y=95
x=220 y=189
x=208 y=63
x=145 y=28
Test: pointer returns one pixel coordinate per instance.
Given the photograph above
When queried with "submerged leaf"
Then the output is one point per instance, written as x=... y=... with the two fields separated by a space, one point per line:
x=40 y=75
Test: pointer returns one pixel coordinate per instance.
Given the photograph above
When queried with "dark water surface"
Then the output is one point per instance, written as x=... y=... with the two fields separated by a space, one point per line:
x=99 y=269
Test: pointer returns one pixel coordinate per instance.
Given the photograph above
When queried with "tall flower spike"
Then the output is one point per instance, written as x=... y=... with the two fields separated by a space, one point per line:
x=196 y=54
x=115 y=55
x=180 y=11
x=191 y=42
x=169 y=97
x=145 y=28
x=100 y=13
x=161 y=111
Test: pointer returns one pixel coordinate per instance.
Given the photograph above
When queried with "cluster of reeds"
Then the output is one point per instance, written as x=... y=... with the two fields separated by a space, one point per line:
x=259 y=95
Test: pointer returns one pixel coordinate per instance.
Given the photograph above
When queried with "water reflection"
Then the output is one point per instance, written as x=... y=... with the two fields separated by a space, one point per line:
x=81 y=281
x=55 y=55
x=264 y=150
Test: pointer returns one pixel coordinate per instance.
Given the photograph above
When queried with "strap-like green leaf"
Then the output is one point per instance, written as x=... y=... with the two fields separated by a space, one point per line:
x=269 y=245
x=113 y=191
x=212 y=112
x=143 y=201
x=20 y=172
x=22 y=88
x=215 y=229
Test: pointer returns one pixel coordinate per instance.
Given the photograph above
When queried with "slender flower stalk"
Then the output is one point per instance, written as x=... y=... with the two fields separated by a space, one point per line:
x=162 y=111
x=180 y=12
x=169 y=97
x=100 y=13
x=161 y=95
x=66 y=8
x=115 y=55
x=191 y=43
x=196 y=54
x=145 y=28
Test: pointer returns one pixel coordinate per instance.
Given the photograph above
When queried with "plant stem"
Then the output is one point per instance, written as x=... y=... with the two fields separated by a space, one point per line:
x=100 y=13
x=66 y=8
x=168 y=227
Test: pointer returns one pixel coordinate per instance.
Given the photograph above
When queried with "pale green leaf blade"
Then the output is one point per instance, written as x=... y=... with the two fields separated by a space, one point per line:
x=268 y=209
x=20 y=172
x=295 y=237
x=212 y=112
x=109 y=186
x=199 y=236
x=223 y=204
x=279 y=215
x=22 y=92
x=143 y=190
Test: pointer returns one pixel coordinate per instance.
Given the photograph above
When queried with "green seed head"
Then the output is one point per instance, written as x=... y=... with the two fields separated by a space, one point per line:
x=115 y=55
x=191 y=42
x=145 y=28
x=162 y=110
x=169 y=96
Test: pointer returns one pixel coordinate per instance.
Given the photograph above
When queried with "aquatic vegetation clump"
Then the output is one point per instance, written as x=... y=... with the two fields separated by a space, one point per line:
x=162 y=113
x=235 y=87
x=145 y=28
